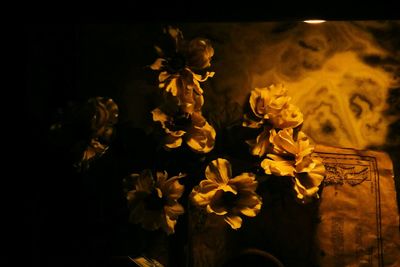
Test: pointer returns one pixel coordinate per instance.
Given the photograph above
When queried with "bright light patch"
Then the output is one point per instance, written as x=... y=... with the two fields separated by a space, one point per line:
x=314 y=21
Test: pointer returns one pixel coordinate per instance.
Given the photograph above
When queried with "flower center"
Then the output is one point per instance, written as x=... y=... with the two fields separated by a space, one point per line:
x=227 y=199
x=181 y=121
x=176 y=63
x=153 y=201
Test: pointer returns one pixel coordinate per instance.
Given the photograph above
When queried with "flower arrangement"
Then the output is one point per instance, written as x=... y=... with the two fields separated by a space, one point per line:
x=191 y=167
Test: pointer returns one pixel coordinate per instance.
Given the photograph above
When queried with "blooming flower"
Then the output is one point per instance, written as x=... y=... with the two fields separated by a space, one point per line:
x=271 y=105
x=225 y=196
x=270 y=108
x=176 y=70
x=198 y=134
x=293 y=157
x=154 y=204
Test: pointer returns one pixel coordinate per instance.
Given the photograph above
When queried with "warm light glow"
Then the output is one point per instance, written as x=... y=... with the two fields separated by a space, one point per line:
x=314 y=21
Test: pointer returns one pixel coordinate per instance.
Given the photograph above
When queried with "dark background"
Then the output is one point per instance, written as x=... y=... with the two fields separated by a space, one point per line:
x=80 y=219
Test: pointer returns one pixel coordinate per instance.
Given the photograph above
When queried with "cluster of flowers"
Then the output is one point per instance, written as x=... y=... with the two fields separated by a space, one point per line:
x=180 y=115
x=283 y=148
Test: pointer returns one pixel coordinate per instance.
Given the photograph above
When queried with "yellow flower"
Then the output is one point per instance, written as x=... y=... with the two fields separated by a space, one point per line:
x=288 y=117
x=293 y=157
x=154 y=204
x=201 y=135
x=185 y=86
x=271 y=105
x=176 y=70
x=198 y=134
x=225 y=196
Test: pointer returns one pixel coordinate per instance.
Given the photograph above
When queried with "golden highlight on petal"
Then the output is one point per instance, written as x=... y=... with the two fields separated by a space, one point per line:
x=293 y=157
x=228 y=197
x=177 y=69
x=261 y=145
x=154 y=203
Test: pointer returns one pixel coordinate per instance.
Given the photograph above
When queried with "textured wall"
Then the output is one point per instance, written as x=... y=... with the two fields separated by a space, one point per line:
x=340 y=74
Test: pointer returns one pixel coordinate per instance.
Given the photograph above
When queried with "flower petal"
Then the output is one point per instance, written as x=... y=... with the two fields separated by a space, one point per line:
x=172 y=142
x=251 y=211
x=174 y=85
x=157 y=64
x=168 y=225
x=219 y=171
x=172 y=189
x=234 y=221
x=248 y=122
x=163 y=76
x=262 y=143
x=202 y=196
x=174 y=211
x=244 y=181
x=278 y=166
x=159 y=115
x=287 y=117
x=217 y=209
x=201 y=139
x=284 y=140
x=145 y=181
